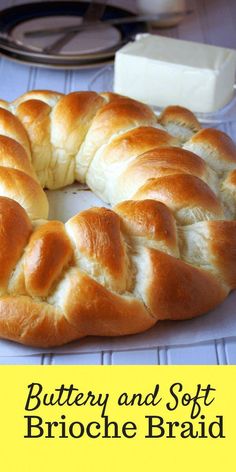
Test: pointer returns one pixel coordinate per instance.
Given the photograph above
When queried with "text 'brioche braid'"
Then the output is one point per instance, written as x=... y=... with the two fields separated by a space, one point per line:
x=167 y=250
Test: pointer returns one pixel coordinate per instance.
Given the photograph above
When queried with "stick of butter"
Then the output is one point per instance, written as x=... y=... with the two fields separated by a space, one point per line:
x=164 y=71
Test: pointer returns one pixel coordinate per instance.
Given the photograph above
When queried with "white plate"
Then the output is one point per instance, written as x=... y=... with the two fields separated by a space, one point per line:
x=50 y=64
x=86 y=49
x=85 y=42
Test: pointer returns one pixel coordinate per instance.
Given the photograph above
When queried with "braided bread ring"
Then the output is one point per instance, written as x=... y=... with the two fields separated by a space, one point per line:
x=167 y=250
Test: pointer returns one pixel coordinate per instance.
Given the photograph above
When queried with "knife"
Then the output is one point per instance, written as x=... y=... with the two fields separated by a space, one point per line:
x=92 y=15
x=102 y=24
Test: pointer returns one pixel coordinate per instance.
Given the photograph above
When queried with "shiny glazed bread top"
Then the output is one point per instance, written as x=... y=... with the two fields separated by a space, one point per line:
x=165 y=251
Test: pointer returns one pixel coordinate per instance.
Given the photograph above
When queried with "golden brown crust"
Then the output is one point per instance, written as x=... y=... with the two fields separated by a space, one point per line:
x=222 y=247
x=15 y=230
x=5 y=105
x=135 y=143
x=111 y=160
x=13 y=155
x=71 y=119
x=178 y=289
x=215 y=147
x=33 y=323
x=100 y=246
x=110 y=272
x=150 y=221
x=35 y=116
x=231 y=178
x=179 y=121
x=26 y=191
x=180 y=115
x=160 y=162
x=85 y=300
x=186 y=195
x=114 y=117
x=47 y=96
x=11 y=126
x=172 y=158
x=49 y=251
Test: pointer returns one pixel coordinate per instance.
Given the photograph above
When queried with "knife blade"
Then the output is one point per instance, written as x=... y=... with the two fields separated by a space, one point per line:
x=103 y=24
x=92 y=15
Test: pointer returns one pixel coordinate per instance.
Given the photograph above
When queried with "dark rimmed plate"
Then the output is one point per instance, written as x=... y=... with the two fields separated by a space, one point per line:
x=11 y=20
x=55 y=65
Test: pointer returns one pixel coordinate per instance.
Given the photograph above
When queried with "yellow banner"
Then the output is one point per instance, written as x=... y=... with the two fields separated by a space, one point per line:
x=123 y=418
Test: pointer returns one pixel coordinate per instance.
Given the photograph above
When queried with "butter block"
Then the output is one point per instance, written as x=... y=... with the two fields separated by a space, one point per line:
x=164 y=71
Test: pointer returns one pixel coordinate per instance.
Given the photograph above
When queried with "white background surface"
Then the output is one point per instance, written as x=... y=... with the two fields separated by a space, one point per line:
x=213 y=22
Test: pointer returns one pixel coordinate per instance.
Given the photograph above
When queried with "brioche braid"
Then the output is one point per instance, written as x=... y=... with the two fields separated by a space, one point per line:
x=167 y=250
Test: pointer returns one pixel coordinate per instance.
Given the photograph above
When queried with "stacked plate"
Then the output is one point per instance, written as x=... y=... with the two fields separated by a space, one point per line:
x=88 y=48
